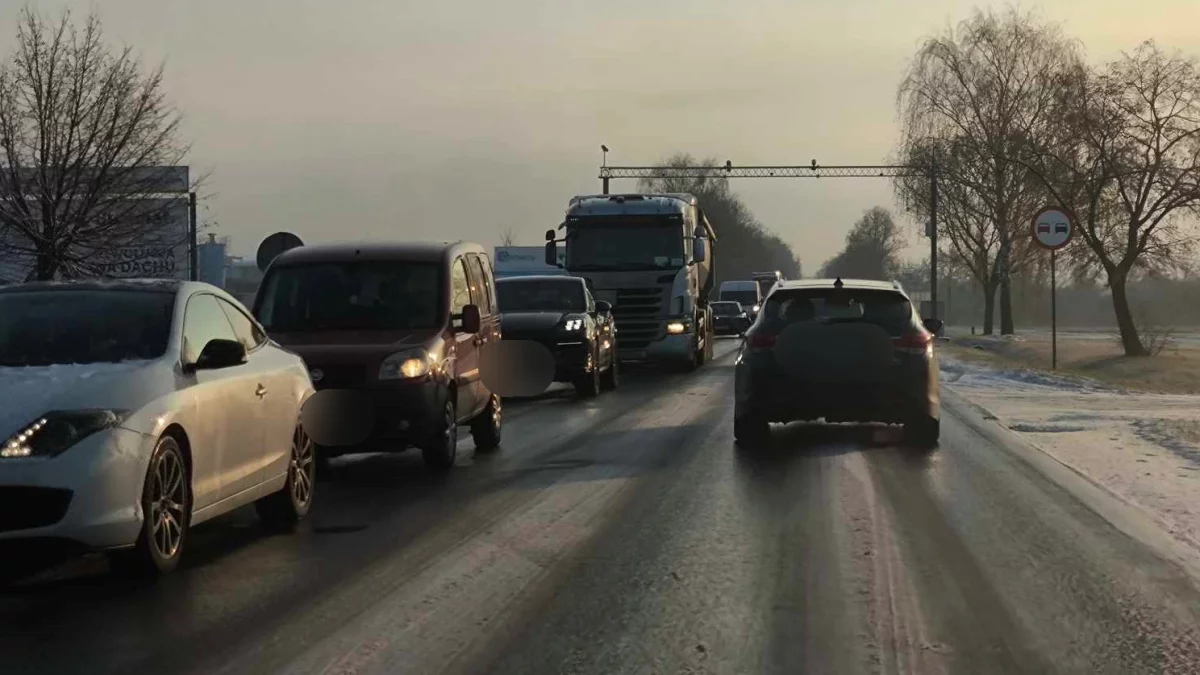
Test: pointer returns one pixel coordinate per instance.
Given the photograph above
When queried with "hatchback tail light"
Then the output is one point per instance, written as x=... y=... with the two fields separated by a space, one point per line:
x=918 y=342
x=760 y=340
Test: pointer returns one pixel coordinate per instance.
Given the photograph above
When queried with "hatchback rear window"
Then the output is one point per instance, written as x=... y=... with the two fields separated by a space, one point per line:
x=887 y=309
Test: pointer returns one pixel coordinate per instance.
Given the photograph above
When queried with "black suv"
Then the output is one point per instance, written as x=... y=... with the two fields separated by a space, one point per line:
x=560 y=313
x=845 y=351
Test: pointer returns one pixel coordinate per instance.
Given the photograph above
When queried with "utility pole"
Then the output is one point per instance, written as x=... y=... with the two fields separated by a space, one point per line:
x=933 y=239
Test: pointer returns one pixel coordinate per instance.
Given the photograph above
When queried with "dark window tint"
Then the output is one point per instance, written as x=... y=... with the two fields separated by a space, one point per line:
x=889 y=310
x=726 y=308
x=368 y=295
x=541 y=296
x=39 y=328
x=460 y=287
x=491 y=283
x=481 y=290
x=247 y=331
x=204 y=321
x=748 y=298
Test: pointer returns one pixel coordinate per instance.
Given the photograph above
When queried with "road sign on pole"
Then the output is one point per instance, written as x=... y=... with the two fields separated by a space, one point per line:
x=1052 y=229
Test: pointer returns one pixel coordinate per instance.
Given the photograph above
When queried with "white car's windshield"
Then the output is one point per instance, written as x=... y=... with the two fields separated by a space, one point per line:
x=40 y=328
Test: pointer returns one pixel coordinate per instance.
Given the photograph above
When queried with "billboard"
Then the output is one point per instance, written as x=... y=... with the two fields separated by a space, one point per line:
x=511 y=261
x=152 y=237
x=157 y=244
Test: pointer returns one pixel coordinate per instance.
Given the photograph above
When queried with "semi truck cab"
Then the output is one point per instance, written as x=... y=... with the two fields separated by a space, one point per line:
x=650 y=256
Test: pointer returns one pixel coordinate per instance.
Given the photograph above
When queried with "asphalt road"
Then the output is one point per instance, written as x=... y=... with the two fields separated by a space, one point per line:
x=628 y=535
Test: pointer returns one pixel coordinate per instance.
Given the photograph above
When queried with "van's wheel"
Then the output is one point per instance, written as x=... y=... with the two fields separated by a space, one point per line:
x=283 y=509
x=441 y=449
x=485 y=428
x=610 y=378
x=166 y=514
x=923 y=432
x=751 y=431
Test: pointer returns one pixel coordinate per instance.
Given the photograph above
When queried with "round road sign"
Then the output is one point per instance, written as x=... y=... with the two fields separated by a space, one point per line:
x=272 y=246
x=1052 y=228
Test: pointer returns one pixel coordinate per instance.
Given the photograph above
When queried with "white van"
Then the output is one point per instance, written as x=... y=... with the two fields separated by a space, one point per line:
x=747 y=293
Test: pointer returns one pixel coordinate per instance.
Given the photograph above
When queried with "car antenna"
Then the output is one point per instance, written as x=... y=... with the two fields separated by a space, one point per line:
x=837 y=283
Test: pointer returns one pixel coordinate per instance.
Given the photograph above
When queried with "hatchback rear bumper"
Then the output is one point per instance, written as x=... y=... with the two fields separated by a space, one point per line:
x=781 y=399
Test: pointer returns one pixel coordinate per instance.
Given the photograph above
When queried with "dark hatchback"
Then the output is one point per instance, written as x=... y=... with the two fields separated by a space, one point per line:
x=852 y=351
x=399 y=329
x=560 y=313
x=729 y=318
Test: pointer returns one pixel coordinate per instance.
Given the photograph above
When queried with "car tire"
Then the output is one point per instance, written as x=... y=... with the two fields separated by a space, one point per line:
x=751 y=431
x=923 y=432
x=486 y=427
x=166 y=514
x=441 y=450
x=587 y=383
x=610 y=378
x=283 y=509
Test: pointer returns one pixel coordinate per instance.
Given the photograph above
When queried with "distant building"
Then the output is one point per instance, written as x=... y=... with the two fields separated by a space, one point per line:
x=242 y=278
x=518 y=261
x=211 y=261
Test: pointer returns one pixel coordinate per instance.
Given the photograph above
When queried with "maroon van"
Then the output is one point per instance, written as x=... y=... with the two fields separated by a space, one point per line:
x=399 y=325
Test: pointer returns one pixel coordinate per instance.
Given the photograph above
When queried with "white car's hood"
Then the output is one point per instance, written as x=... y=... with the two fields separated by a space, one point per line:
x=29 y=392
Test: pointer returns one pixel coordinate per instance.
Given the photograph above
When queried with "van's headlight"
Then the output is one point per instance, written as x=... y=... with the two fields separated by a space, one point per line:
x=756 y=308
x=56 y=432
x=676 y=327
x=406 y=365
x=573 y=325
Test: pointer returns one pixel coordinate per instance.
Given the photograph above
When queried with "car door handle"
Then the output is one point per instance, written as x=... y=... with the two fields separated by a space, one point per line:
x=261 y=391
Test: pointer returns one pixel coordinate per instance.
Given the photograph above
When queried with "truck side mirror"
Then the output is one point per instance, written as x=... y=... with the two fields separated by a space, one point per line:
x=699 y=249
x=551 y=253
x=549 y=235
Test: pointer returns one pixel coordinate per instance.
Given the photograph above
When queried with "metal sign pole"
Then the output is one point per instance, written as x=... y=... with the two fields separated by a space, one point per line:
x=1052 y=229
x=1053 y=311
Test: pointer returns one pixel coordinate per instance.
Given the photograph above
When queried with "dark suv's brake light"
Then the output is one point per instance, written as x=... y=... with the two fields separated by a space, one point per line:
x=760 y=340
x=917 y=342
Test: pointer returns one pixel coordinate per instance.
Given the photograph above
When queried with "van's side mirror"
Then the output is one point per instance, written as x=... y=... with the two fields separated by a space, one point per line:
x=934 y=326
x=551 y=253
x=699 y=249
x=471 y=321
x=603 y=307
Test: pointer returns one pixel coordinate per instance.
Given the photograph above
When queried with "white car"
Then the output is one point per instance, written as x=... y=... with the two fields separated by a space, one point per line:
x=132 y=410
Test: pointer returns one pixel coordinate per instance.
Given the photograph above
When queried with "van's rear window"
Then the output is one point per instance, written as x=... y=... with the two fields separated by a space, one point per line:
x=367 y=295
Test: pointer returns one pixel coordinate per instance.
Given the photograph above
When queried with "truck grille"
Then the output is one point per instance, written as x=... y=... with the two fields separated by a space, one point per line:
x=638 y=312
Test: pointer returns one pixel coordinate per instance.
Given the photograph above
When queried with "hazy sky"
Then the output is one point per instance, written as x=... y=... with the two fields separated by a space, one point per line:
x=372 y=119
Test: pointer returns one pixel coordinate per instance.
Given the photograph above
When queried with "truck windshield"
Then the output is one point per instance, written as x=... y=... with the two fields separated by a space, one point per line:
x=368 y=295
x=625 y=246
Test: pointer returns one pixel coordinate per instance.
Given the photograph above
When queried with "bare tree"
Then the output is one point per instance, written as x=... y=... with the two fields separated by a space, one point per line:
x=87 y=141
x=872 y=249
x=979 y=90
x=1125 y=157
x=508 y=236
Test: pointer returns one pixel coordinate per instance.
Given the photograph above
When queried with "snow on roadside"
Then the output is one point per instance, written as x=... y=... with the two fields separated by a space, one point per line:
x=1144 y=447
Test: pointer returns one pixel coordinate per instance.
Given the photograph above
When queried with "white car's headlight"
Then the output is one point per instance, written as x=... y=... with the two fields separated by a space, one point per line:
x=573 y=325
x=406 y=365
x=56 y=432
x=756 y=308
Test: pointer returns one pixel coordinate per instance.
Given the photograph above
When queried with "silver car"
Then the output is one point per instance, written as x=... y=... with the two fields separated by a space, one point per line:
x=136 y=409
